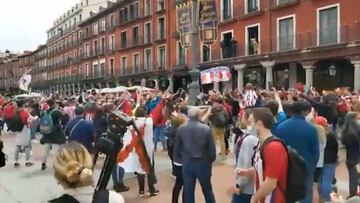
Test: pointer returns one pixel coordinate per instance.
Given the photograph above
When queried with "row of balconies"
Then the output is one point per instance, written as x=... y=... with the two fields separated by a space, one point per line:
x=62 y=33
x=66 y=46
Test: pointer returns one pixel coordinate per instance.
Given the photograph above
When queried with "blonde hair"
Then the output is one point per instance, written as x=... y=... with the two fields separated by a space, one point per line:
x=73 y=166
x=321 y=133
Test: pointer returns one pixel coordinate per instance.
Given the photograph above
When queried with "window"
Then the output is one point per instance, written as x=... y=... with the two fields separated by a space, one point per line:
x=124 y=64
x=112 y=21
x=279 y=2
x=252 y=5
x=102 y=45
x=205 y=50
x=123 y=40
x=147 y=33
x=161 y=28
x=95 y=48
x=147 y=7
x=252 y=39
x=95 y=29
x=134 y=11
x=228 y=45
x=87 y=71
x=226 y=6
x=124 y=15
x=102 y=69
x=180 y=54
x=148 y=60
x=87 y=50
x=95 y=70
x=111 y=67
x=286 y=33
x=112 y=43
x=102 y=25
x=328 y=28
x=161 y=5
x=161 y=57
x=135 y=35
x=136 y=63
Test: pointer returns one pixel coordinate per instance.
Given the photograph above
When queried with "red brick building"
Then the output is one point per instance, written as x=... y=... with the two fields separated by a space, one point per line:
x=265 y=42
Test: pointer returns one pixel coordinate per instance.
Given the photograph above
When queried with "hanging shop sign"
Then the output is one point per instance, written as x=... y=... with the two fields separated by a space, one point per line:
x=217 y=74
x=208 y=21
x=183 y=15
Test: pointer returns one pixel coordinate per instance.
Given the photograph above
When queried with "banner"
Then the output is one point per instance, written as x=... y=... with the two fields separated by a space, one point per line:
x=217 y=74
x=208 y=21
x=183 y=22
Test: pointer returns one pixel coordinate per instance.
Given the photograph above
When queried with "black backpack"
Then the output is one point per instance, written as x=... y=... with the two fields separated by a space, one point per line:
x=16 y=124
x=296 y=173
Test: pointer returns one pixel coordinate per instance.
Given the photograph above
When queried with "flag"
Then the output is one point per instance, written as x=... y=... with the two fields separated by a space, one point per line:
x=25 y=81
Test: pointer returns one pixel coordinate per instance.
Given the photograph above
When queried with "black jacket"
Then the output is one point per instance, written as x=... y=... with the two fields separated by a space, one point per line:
x=331 y=149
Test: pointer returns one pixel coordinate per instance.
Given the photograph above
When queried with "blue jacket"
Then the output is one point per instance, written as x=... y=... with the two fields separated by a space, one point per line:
x=302 y=137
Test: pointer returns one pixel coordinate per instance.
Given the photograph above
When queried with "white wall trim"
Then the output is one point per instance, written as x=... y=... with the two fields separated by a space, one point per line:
x=318 y=10
x=293 y=16
x=158 y=55
x=158 y=27
x=246 y=6
x=247 y=37
x=222 y=9
x=151 y=58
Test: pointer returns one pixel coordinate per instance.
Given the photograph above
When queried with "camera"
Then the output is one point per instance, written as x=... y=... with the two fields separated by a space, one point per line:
x=110 y=144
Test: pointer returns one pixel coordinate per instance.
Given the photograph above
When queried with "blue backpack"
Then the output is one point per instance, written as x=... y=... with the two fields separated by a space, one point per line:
x=46 y=123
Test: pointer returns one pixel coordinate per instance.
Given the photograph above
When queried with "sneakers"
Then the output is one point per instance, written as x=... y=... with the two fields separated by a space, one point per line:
x=43 y=166
x=28 y=164
x=16 y=165
x=121 y=188
x=141 y=193
x=154 y=193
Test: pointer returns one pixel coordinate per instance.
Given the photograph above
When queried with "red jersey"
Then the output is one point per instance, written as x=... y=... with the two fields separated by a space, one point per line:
x=9 y=111
x=273 y=165
x=24 y=115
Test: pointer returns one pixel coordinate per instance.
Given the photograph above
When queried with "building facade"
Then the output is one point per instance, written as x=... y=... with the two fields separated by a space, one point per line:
x=265 y=42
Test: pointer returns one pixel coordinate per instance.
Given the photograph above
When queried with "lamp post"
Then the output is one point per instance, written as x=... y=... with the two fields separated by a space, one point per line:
x=201 y=15
x=194 y=87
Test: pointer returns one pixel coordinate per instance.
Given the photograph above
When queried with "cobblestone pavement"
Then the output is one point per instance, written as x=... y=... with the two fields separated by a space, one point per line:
x=31 y=185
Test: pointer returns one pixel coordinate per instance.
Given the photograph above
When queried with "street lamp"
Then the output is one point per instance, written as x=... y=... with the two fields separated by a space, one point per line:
x=192 y=16
x=332 y=70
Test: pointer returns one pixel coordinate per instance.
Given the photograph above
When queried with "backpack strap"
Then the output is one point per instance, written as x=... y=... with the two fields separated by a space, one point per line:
x=74 y=127
x=262 y=147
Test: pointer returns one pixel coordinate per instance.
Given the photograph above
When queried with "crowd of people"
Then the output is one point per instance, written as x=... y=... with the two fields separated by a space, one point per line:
x=272 y=135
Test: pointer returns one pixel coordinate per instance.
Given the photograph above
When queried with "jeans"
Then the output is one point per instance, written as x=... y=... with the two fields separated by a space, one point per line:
x=118 y=173
x=309 y=188
x=325 y=182
x=159 y=136
x=178 y=184
x=241 y=198
x=197 y=169
x=353 y=177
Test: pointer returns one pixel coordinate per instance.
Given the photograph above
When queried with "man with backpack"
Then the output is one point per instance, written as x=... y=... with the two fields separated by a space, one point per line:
x=50 y=128
x=279 y=170
x=303 y=137
x=20 y=125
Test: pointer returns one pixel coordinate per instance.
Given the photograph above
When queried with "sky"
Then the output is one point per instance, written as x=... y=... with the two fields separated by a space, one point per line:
x=23 y=23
